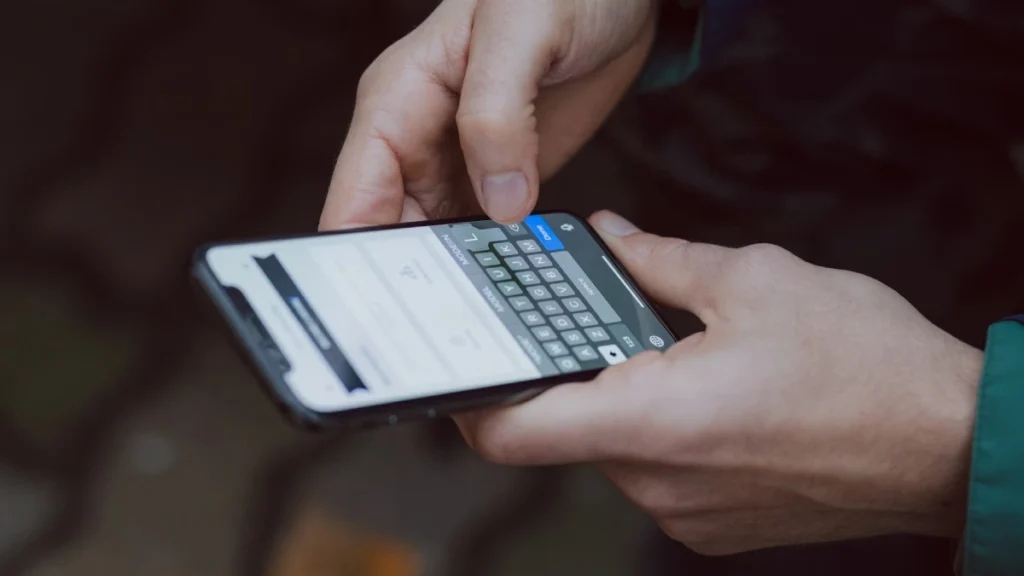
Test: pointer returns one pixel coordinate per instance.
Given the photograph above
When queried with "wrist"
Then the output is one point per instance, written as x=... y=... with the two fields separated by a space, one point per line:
x=951 y=417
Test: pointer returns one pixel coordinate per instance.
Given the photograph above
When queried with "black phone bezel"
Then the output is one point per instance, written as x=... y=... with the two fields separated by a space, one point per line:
x=391 y=412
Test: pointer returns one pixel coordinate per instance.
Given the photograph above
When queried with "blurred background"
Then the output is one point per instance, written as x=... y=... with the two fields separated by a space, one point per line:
x=134 y=441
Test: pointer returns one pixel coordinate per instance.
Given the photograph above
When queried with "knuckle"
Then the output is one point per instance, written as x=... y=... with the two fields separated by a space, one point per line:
x=765 y=253
x=382 y=122
x=493 y=115
x=759 y=261
x=658 y=249
x=652 y=251
x=368 y=81
x=673 y=249
x=496 y=138
x=488 y=125
x=371 y=199
x=385 y=68
x=454 y=50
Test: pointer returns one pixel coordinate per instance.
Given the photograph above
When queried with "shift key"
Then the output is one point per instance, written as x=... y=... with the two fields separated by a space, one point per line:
x=586 y=287
x=630 y=345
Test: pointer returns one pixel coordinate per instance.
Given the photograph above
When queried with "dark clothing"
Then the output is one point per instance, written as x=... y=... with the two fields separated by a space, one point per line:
x=829 y=126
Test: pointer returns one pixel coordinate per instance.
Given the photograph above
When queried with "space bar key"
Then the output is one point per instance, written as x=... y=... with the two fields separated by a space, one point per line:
x=582 y=282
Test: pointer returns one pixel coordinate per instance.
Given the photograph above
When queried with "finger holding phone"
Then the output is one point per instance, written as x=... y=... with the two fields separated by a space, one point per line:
x=817 y=405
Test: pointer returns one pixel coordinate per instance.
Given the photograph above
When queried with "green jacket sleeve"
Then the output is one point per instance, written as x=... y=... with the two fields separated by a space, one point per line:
x=676 y=54
x=692 y=33
x=994 y=537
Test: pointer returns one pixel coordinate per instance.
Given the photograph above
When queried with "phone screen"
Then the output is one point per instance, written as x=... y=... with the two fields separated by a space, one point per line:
x=390 y=315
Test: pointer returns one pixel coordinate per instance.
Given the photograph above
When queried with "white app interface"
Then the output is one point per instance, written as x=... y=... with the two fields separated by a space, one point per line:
x=397 y=306
x=384 y=316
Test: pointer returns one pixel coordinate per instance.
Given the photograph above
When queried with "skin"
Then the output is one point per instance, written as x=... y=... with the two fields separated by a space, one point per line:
x=816 y=405
x=481 y=102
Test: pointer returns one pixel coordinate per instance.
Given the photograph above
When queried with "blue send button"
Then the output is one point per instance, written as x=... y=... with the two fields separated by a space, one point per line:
x=543 y=232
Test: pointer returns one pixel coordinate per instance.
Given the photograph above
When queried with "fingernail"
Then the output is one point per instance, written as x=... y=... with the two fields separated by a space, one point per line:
x=505 y=195
x=614 y=224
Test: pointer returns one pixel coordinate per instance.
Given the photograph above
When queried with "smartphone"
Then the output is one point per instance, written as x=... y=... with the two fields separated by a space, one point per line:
x=381 y=325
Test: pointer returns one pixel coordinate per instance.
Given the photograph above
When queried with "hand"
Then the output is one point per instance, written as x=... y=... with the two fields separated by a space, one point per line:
x=520 y=84
x=816 y=405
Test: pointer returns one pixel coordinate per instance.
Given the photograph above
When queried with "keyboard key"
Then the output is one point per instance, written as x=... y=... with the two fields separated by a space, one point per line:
x=528 y=246
x=487 y=259
x=611 y=354
x=574 y=338
x=540 y=260
x=562 y=289
x=517 y=229
x=585 y=319
x=562 y=322
x=595 y=300
x=532 y=318
x=520 y=303
x=505 y=249
x=585 y=353
x=544 y=333
x=567 y=364
x=626 y=340
x=476 y=239
x=557 y=349
x=597 y=334
x=539 y=292
x=498 y=274
x=527 y=278
x=516 y=263
x=574 y=305
x=510 y=289
x=551 y=275
x=550 y=308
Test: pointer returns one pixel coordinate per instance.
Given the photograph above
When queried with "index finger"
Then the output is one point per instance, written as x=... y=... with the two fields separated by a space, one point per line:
x=397 y=137
x=366 y=188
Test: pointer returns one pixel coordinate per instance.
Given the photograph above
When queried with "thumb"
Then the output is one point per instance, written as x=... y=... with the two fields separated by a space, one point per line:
x=675 y=272
x=512 y=46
